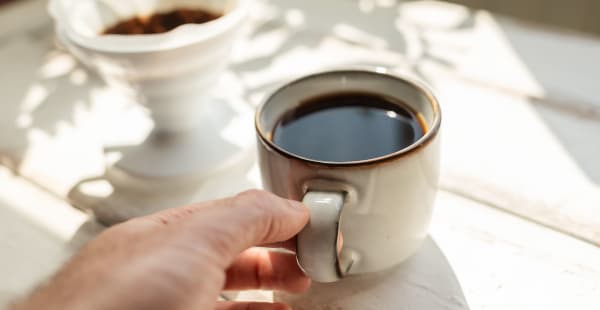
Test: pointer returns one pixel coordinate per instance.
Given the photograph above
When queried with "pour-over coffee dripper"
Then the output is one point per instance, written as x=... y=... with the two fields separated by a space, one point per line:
x=171 y=74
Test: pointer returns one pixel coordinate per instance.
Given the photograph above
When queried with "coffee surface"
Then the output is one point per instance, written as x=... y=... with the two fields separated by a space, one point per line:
x=161 y=22
x=344 y=127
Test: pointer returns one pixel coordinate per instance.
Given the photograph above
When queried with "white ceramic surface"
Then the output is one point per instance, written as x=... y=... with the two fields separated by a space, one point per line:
x=388 y=200
x=172 y=75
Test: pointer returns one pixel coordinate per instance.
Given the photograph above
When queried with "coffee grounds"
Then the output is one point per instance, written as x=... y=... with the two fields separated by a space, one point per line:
x=161 y=22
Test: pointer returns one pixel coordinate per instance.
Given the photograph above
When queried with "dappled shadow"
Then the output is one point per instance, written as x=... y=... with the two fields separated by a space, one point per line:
x=292 y=38
x=578 y=135
x=50 y=90
x=566 y=70
x=289 y=39
x=43 y=90
x=521 y=117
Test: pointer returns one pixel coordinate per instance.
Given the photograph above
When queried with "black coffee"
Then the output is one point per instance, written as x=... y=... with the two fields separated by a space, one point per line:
x=344 y=127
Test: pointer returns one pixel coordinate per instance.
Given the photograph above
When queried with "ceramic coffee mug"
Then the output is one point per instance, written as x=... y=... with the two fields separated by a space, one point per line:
x=382 y=206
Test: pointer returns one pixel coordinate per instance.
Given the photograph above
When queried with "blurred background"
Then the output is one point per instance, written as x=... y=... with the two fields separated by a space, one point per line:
x=578 y=15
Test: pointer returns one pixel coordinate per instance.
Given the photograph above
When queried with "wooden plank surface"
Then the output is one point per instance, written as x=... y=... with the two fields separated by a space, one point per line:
x=504 y=262
x=506 y=143
x=531 y=157
x=554 y=13
x=519 y=132
x=526 y=159
x=500 y=261
x=510 y=55
x=37 y=233
x=497 y=260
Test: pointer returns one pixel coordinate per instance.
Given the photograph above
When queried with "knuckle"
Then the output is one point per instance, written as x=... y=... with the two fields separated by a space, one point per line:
x=220 y=242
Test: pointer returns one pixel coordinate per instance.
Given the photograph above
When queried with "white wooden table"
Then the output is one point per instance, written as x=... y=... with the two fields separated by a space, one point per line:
x=517 y=220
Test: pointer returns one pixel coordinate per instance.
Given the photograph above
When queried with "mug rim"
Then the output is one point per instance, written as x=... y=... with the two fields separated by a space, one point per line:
x=378 y=71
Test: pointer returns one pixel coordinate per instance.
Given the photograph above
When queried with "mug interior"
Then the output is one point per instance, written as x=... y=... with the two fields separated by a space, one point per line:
x=412 y=94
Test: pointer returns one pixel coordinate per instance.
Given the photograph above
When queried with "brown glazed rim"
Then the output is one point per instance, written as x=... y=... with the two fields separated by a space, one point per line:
x=422 y=142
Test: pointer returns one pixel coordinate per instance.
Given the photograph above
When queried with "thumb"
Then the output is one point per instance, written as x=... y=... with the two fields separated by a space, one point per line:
x=232 y=225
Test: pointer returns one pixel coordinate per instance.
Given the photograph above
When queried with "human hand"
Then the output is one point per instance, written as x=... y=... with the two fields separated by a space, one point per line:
x=183 y=258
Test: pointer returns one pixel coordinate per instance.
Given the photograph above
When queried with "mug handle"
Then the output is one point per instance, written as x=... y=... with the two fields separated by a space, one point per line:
x=317 y=243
